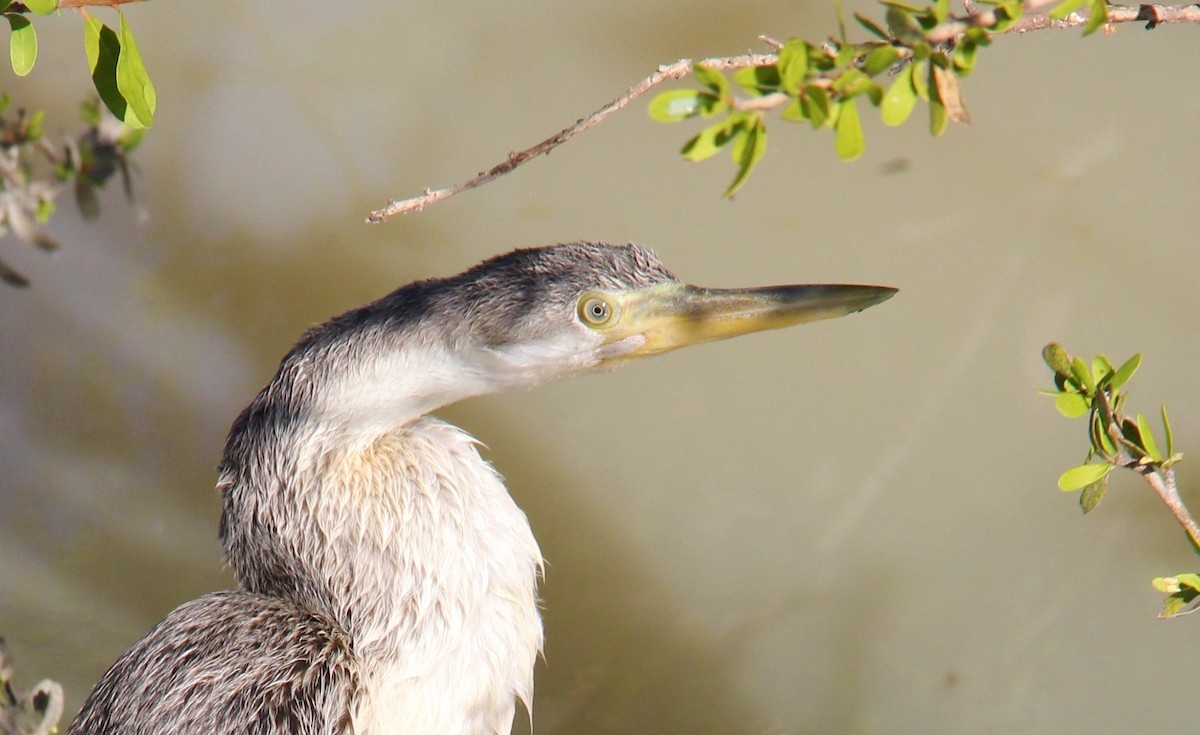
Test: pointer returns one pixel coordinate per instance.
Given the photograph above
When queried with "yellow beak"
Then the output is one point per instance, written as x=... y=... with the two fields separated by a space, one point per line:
x=674 y=315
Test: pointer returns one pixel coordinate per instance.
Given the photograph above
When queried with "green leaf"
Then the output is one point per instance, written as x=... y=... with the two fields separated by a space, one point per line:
x=1083 y=475
x=900 y=99
x=712 y=79
x=1101 y=369
x=793 y=66
x=938 y=118
x=1102 y=443
x=881 y=59
x=872 y=27
x=133 y=82
x=22 y=44
x=794 y=112
x=1072 y=404
x=918 y=80
x=748 y=149
x=964 y=56
x=1188 y=579
x=1091 y=496
x=758 y=80
x=852 y=83
x=102 y=48
x=42 y=7
x=1098 y=16
x=849 y=143
x=677 y=105
x=902 y=25
x=1061 y=11
x=708 y=141
x=1082 y=376
x=1007 y=14
x=1167 y=429
x=1148 y=439
x=1126 y=371
x=816 y=105
x=941 y=10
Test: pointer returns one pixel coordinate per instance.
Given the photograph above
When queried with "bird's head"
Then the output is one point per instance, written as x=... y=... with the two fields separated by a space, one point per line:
x=535 y=314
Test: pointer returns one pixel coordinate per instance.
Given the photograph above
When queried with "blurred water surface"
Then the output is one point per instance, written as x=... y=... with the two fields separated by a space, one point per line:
x=850 y=527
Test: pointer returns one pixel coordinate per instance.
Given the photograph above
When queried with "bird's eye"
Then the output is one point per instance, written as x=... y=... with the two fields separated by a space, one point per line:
x=595 y=311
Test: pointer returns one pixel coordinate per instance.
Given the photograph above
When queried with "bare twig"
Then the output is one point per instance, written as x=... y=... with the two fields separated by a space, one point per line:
x=669 y=72
x=1033 y=20
x=1163 y=483
x=101 y=3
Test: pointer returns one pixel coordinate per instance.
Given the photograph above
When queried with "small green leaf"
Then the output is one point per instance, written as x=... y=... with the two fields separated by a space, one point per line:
x=133 y=82
x=852 y=83
x=1189 y=579
x=872 y=27
x=676 y=105
x=794 y=112
x=1007 y=14
x=1083 y=475
x=816 y=105
x=964 y=57
x=42 y=7
x=849 y=143
x=941 y=10
x=903 y=26
x=748 y=149
x=712 y=79
x=918 y=80
x=1148 y=439
x=708 y=141
x=938 y=117
x=1072 y=404
x=102 y=48
x=1101 y=441
x=1101 y=369
x=22 y=44
x=45 y=208
x=900 y=99
x=1097 y=17
x=1082 y=376
x=881 y=59
x=793 y=66
x=1091 y=496
x=1061 y=11
x=1167 y=429
x=1126 y=371
x=758 y=80
x=1057 y=359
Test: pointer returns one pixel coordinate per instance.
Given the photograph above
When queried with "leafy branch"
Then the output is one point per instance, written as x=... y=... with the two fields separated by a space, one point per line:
x=917 y=53
x=113 y=60
x=931 y=48
x=1119 y=440
x=35 y=169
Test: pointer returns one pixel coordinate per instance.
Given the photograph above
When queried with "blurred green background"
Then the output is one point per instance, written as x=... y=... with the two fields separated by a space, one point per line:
x=849 y=527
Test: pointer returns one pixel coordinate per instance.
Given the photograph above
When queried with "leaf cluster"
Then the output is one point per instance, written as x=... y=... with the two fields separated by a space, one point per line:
x=914 y=55
x=35 y=169
x=114 y=63
x=1115 y=439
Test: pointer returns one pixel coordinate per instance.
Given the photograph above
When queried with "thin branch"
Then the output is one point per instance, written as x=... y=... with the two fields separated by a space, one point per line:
x=1164 y=484
x=669 y=72
x=1032 y=20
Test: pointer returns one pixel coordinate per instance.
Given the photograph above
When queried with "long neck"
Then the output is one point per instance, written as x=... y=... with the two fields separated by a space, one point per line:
x=397 y=530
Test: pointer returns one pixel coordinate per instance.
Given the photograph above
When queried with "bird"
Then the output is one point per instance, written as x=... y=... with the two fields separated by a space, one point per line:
x=387 y=580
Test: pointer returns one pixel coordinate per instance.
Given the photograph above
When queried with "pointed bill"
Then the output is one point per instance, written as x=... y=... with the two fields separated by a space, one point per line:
x=670 y=316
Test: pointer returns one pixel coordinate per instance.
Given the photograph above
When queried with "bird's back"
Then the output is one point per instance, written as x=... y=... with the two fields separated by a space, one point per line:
x=229 y=662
